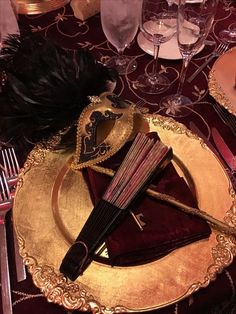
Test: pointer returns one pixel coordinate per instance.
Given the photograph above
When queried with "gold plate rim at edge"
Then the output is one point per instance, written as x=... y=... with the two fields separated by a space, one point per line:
x=64 y=292
x=24 y=7
x=215 y=89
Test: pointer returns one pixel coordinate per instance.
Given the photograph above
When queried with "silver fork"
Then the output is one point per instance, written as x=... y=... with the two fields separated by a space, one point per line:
x=216 y=53
x=226 y=117
x=11 y=165
x=5 y=206
x=12 y=168
x=140 y=104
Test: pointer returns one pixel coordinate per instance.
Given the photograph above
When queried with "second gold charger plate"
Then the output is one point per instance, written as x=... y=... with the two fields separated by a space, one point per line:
x=38 y=6
x=52 y=203
x=222 y=80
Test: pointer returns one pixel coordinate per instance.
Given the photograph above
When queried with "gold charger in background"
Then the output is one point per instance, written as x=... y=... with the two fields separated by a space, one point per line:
x=103 y=288
x=38 y=6
x=222 y=80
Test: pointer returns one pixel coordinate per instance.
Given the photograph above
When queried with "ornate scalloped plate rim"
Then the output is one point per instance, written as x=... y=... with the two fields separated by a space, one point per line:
x=70 y=295
x=216 y=90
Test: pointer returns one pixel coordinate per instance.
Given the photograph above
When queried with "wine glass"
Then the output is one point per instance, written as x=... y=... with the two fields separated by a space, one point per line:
x=171 y=8
x=228 y=35
x=194 y=21
x=120 y=22
x=157 y=25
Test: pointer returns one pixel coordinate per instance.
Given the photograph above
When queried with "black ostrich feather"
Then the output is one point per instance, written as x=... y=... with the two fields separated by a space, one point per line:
x=46 y=88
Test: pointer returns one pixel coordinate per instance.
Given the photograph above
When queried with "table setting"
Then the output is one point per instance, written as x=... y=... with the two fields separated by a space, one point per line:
x=118 y=157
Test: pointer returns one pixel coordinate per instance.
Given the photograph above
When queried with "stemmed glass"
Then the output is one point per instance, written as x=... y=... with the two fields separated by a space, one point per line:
x=171 y=8
x=120 y=22
x=228 y=35
x=194 y=21
x=157 y=25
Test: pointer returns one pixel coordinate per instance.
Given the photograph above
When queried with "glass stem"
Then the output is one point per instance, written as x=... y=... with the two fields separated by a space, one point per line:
x=153 y=75
x=120 y=60
x=183 y=72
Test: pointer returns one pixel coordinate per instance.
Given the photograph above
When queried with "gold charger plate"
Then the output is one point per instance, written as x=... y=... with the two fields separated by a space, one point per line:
x=222 y=80
x=38 y=6
x=39 y=212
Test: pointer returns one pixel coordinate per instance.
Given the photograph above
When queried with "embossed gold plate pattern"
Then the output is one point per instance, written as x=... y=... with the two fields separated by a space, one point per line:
x=108 y=289
x=38 y=6
x=222 y=80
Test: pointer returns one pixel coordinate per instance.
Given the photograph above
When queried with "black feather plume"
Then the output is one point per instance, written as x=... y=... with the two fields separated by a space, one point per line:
x=46 y=88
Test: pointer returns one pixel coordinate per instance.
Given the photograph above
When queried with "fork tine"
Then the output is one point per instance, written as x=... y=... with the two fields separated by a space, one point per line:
x=218 y=49
x=225 y=47
x=226 y=117
x=222 y=48
x=6 y=163
x=3 y=195
x=13 y=160
x=10 y=162
x=16 y=160
x=5 y=192
x=7 y=189
x=222 y=112
x=140 y=103
x=2 y=190
x=11 y=167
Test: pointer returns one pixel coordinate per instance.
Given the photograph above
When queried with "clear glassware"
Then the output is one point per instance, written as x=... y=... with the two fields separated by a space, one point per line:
x=228 y=35
x=171 y=9
x=158 y=25
x=170 y=2
x=120 y=22
x=194 y=21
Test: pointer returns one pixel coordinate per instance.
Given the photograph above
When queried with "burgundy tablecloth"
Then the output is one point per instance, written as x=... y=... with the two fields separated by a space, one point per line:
x=71 y=33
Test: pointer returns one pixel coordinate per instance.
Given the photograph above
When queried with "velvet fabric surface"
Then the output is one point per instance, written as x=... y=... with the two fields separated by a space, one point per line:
x=166 y=227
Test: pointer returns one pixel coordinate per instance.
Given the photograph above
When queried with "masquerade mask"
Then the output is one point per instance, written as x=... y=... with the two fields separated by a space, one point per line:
x=104 y=126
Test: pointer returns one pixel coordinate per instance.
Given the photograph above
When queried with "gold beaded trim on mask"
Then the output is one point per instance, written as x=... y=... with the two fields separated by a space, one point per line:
x=117 y=137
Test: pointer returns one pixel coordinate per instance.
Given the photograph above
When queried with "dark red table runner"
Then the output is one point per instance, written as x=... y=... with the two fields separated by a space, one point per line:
x=71 y=33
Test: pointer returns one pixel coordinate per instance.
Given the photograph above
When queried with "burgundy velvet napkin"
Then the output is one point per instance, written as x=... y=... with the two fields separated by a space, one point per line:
x=166 y=229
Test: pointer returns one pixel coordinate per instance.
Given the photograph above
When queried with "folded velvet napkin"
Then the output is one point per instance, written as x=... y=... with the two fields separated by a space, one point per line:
x=166 y=228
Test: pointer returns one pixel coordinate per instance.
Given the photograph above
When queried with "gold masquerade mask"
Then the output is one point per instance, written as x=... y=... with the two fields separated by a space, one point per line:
x=104 y=126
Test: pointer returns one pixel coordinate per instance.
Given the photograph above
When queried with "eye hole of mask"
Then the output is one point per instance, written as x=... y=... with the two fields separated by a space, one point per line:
x=103 y=129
